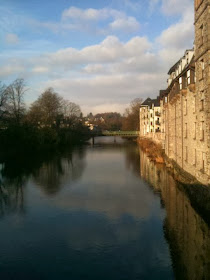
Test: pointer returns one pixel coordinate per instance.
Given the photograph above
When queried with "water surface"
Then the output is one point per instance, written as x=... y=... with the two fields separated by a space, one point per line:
x=101 y=211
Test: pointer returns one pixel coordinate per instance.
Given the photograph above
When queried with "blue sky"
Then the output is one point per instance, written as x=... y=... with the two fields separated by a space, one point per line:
x=99 y=54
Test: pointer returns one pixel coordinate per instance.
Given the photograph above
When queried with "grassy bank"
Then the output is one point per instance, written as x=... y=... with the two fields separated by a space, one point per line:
x=153 y=150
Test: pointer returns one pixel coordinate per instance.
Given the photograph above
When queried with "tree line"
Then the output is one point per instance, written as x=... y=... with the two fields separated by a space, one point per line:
x=114 y=121
x=50 y=109
x=50 y=121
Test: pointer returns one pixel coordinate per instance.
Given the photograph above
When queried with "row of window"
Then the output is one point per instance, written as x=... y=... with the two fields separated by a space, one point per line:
x=199 y=158
x=200 y=107
x=201 y=134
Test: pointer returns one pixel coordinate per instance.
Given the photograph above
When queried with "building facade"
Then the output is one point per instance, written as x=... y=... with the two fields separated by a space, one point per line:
x=150 y=119
x=185 y=104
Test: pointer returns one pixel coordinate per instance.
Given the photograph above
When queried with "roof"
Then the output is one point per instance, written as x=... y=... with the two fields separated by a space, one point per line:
x=146 y=102
x=149 y=102
x=173 y=68
x=163 y=92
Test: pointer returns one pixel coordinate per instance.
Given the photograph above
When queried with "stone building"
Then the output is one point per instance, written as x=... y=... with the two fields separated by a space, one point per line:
x=150 y=119
x=185 y=104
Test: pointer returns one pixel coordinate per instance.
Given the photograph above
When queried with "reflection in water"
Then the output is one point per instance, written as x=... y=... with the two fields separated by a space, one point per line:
x=11 y=193
x=92 y=214
x=186 y=231
x=53 y=175
x=50 y=174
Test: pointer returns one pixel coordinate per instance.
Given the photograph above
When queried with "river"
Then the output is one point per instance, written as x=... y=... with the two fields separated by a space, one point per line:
x=101 y=211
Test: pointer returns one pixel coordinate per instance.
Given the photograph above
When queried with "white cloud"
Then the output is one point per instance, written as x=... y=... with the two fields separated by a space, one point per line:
x=176 y=38
x=89 y=20
x=171 y=7
x=87 y=14
x=116 y=89
x=111 y=73
x=40 y=69
x=11 y=69
x=11 y=39
x=174 y=7
x=128 y=24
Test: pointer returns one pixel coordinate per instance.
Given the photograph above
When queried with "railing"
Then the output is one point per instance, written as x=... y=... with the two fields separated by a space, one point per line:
x=157 y=123
x=120 y=133
x=157 y=114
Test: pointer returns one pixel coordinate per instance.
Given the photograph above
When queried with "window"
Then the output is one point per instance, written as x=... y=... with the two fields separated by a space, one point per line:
x=201 y=34
x=202 y=105
x=185 y=107
x=194 y=107
x=188 y=77
x=202 y=131
x=180 y=83
x=185 y=134
x=202 y=69
x=203 y=162
x=195 y=157
x=195 y=126
x=165 y=99
x=186 y=153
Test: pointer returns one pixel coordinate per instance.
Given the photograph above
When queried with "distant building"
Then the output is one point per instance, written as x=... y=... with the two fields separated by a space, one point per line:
x=150 y=119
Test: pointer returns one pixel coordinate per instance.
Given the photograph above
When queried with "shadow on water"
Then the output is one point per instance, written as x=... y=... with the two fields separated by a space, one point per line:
x=187 y=221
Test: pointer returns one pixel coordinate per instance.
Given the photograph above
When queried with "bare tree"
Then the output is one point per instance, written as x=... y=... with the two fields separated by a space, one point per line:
x=131 y=116
x=71 y=112
x=3 y=100
x=46 y=108
x=15 y=103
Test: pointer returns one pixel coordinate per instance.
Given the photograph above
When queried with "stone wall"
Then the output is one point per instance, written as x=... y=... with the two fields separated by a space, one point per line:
x=202 y=69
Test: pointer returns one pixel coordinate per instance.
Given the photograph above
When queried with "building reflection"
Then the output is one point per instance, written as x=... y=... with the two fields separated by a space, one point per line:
x=187 y=232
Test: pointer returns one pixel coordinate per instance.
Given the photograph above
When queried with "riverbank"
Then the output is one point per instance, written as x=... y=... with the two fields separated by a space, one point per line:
x=28 y=140
x=154 y=151
x=156 y=154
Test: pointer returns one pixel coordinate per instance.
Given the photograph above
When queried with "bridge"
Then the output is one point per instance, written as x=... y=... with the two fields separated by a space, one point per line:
x=120 y=133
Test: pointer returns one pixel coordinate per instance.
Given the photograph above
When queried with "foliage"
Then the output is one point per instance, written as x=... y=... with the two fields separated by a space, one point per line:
x=107 y=121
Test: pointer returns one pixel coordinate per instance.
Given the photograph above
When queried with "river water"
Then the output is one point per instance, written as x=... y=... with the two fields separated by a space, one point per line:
x=101 y=211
